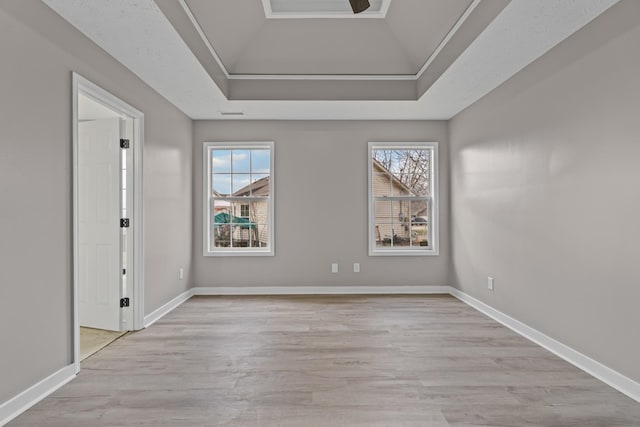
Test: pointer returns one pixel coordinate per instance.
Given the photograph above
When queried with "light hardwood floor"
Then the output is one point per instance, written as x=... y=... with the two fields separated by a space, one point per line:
x=351 y=361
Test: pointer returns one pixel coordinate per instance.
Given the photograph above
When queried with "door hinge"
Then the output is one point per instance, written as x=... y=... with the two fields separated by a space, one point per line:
x=124 y=302
x=124 y=143
x=124 y=222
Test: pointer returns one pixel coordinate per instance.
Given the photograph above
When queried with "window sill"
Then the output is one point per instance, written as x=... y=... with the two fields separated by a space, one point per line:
x=239 y=253
x=401 y=252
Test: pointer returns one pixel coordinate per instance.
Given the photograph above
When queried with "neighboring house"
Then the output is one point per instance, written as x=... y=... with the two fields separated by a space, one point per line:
x=396 y=221
x=255 y=212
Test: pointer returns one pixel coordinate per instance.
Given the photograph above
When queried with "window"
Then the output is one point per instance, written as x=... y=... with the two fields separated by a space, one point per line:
x=403 y=198
x=238 y=198
x=244 y=211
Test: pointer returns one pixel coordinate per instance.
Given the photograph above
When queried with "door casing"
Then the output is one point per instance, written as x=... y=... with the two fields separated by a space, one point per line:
x=81 y=85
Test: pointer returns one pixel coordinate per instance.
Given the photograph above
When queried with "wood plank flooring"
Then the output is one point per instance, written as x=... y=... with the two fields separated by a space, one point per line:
x=351 y=361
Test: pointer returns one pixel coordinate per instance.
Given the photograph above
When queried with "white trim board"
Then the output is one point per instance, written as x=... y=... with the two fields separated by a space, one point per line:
x=81 y=85
x=322 y=290
x=592 y=367
x=34 y=394
x=165 y=309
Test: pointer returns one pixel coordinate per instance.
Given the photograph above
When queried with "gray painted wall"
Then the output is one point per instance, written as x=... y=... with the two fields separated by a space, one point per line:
x=545 y=194
x=39 y=50
x=320 y=206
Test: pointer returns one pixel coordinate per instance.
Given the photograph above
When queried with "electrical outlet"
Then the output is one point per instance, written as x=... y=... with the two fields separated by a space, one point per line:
x=356 y=267
x=334 y=268
x=490 y=283
x=181 y=273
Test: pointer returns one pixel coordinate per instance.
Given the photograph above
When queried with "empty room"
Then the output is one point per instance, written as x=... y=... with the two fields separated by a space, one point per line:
x=319 y=213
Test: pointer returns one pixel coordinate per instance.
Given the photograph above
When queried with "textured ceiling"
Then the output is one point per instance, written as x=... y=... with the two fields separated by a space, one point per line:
x=157 y=41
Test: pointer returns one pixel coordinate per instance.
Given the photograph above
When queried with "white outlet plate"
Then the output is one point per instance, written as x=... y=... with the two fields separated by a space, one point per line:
x=334 y=268
x=356 y=267
x=181 y=273
x=490 y=283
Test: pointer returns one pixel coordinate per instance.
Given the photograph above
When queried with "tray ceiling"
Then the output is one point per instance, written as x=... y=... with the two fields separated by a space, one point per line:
x=248 y=43
x=427 y=59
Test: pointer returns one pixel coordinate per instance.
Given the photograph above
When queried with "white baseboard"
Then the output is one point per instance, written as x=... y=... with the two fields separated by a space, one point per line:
x=158 y=313
x=605 y=374
x=322 y=290
x=34 y=394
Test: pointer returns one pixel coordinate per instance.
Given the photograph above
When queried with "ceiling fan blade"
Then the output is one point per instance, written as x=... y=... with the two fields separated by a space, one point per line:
x=359 y=5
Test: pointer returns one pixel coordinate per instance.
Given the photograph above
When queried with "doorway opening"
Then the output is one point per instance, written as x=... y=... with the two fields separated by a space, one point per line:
x=107 y=218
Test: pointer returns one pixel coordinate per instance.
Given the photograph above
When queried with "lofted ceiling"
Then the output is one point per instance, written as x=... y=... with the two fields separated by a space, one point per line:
x=299 y=59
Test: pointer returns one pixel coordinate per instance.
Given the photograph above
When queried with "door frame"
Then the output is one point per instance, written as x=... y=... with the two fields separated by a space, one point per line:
x=81 y=85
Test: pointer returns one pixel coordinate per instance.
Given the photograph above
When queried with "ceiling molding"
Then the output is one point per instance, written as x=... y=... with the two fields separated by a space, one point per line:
x=204 y=37
x=448 y=37
x=347 y=77
x=173 y=60
x=477 y=18
x=384 y=8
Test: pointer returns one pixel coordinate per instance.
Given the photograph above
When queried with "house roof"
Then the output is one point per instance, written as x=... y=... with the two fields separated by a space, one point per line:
x=257 y=188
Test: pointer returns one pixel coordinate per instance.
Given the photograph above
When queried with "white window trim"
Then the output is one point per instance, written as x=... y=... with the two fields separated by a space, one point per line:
x=434 y=225
x=206 y=199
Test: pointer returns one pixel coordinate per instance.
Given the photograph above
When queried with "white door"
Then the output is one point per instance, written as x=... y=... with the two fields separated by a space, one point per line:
x=99 y=186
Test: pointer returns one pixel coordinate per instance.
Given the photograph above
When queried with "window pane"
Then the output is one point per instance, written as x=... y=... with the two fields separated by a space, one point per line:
x=221 y=184
x=241 y=161
x=402 y=235
x=261 y=161
x=382 y=158
x=419 y=234
x=220 y=207
x=260 y=185
x=221 y=161
x=419 y=211
x=237 y=208
x=383 y=212
x=381 y=184
x=240 y=184
x=261 y=235
x=222 y=235
x=401 y=185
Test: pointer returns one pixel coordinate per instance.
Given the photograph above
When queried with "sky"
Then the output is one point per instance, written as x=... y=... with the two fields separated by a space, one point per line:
x=237 y=168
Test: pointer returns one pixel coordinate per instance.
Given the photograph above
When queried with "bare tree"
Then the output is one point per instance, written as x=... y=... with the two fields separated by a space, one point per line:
x=411 y=167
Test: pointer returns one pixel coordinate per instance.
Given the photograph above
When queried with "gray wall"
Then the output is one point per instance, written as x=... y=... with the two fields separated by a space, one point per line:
x=39 y=50
x=320 y=206
x=545 y=194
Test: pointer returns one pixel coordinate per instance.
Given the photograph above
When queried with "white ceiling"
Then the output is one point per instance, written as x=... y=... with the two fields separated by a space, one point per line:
x=138 y=34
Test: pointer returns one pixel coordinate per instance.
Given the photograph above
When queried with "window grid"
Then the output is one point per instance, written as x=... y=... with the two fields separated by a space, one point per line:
x=402 y=196
x=239 y=212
